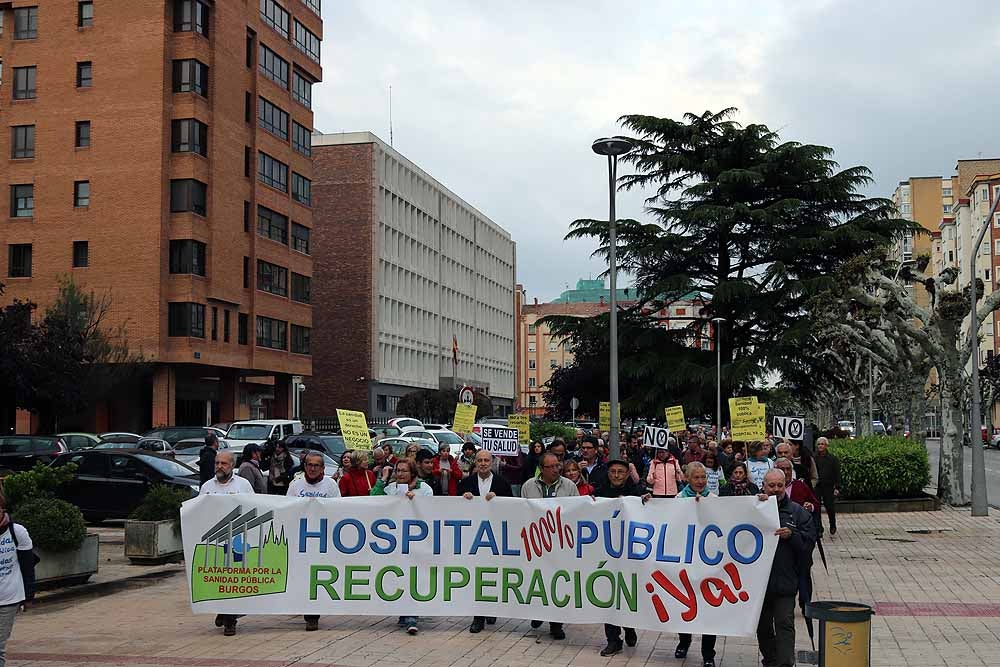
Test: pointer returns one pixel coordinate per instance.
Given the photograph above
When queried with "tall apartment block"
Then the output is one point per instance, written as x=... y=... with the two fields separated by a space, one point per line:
x=158 y=152
x=409 y=277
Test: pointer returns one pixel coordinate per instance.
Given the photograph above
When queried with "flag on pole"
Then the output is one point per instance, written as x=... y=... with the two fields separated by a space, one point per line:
x=454 y=348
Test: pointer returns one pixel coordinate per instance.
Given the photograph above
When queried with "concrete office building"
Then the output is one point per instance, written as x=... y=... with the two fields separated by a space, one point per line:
x=404 y=268
x=159 y=153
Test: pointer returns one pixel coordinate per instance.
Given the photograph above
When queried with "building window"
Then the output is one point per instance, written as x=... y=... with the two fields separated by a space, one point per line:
x=24 y=82
x=271 y=172
x=306 y=42
x=191 y=16
x=313 y=5
x=246 y=273
x=905 y=208
x=82 y=134
x=945 y=192
x=273 y=66
x=300 y=339
x=275 y=16
x=81 y=254
x=272 y=225
x=946 y=208
x=215 y=323
x=186 y=319
x=84 y=74
x=26 y=23
x=531 y=383
x=19 y=260
x=246 y=216
x=271 y=333
x=251 y=43
x=22 y=141
x=187 y=256
x=300 y=238
x=191 y=76
x=553 y=364
x=531 y=364
x=187 y=194
x=81 y=194
x=531 y=346
x=553 y=346
x=225 y=326
x=272 y=118
x=242 y=328
x=532 y=401
x=84 y=14
x=301 y=189
x=951 y=258
x=301 y=139
x=189 y=136
x=531 y=329
x=301 y=288
x=22 y=201
x=272 y=278
x=301 y=89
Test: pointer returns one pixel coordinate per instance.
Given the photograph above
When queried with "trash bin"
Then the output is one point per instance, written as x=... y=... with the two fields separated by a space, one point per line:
x=845 y=633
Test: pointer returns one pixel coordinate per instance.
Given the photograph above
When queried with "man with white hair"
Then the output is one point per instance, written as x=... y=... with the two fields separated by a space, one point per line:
x=225 y=483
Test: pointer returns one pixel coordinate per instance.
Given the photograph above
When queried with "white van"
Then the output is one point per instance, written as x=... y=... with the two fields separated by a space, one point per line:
x=259 y=431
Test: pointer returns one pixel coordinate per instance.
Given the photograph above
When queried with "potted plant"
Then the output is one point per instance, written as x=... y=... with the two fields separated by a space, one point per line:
x=69 y=555
x=153 y=531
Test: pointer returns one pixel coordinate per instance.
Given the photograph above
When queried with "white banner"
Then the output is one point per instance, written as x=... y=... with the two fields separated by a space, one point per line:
x=671 y=565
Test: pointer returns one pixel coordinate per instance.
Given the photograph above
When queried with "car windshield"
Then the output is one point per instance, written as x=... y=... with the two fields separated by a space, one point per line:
x=448 y=437
x=327 y=459
x=249 y=432
x=334 y=443
x=188 y=444
x=166 y=466
x=115 y=445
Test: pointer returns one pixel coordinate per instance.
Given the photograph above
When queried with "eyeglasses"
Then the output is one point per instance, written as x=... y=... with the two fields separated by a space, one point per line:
x=314 y=465
x=551 y=465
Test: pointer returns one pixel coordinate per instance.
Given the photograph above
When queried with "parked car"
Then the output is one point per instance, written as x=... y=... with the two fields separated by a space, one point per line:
x=848 y=427
x=878 y=428
x=222 y=426
x=403 y=423
x=331 y=444
x=399 y=445
x=174 y=434
x=111 y=483
x=21 y=452
x=188 y=451
x=259 y=431
x=77 y=441
x=120 y=437
x=443 y=435
x=384 y=430
x=330 y=466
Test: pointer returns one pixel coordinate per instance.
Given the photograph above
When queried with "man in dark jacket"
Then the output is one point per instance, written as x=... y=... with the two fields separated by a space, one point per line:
x=797 y=537
x=597 y=471
x=615 y=485
x=828 y=487
x=483 y=483
x=206 y=458
x=425 y=471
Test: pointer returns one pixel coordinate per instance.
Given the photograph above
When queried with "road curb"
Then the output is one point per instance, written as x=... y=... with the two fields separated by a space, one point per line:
x=102 y=588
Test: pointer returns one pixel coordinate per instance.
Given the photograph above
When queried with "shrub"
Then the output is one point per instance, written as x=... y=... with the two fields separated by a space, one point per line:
x=54 y=525
x=42 y=481
x=540 y=430
x=162 y=503
x=876 y=467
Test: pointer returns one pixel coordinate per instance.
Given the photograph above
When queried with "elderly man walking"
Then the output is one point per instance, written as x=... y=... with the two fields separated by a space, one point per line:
x=797 y=536
x=828 y=487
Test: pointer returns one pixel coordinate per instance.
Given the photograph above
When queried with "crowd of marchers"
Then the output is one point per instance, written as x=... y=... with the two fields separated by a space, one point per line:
x=696 y=469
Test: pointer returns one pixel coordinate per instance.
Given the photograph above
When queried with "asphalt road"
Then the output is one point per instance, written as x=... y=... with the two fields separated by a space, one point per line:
x=992 y=457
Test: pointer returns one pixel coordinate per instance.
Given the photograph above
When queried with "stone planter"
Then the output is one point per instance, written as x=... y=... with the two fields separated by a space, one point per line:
x=68 y=568
x=925 y=503
x=153 y=541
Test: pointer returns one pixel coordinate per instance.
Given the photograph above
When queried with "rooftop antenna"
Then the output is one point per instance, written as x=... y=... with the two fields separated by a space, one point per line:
x=390 y=114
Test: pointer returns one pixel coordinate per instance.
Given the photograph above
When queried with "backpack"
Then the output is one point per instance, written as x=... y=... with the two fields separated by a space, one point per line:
x=26 y=561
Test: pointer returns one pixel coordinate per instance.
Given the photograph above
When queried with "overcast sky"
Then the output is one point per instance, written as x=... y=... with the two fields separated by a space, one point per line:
x=500 y=101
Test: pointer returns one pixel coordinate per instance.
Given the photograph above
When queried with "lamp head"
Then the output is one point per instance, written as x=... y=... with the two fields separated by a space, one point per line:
x=612 y=146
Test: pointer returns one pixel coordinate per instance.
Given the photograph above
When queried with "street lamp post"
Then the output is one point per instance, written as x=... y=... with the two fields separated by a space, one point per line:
x=612 y=147
x=979 y=501
x=717 y=321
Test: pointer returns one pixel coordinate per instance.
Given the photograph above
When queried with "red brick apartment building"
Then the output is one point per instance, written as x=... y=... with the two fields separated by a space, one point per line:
x=158 y=151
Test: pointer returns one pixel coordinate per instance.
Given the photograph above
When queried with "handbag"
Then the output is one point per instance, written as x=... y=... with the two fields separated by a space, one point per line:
x=26 y=562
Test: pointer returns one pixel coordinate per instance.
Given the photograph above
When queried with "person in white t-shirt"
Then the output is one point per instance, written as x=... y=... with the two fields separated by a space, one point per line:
x=13 y=596
x=224 y=483
x=314 y=483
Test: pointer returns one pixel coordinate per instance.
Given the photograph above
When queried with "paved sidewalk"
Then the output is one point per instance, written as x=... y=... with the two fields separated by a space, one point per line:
x=936 y=591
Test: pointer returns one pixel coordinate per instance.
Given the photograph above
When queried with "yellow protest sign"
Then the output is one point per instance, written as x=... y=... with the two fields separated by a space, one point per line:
x=747 y=418
x=675 y=418
x=605 y=416
x=465 y=418
x=522 y=423
x=354 y=428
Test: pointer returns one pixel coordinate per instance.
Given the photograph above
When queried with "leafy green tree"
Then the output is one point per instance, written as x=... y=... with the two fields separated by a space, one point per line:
x=755 y=225
x=438 y=405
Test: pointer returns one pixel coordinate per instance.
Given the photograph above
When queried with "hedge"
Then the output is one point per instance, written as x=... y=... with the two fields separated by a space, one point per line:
x=873 y=468
x=54 y=525
x=162 y=503
x=542 y=430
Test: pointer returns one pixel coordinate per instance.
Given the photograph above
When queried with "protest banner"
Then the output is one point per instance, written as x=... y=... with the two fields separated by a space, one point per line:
x=354 y=428
x=668 y=565
x=792 y=428
x=675 y=418
x=747 y=419
x=655 y=437
x=522 y=423
x=500 y=440
x=465 y=418
x=604 y=414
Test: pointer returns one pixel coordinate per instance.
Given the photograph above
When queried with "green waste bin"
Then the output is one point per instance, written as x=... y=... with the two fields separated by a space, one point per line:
x=845 y=633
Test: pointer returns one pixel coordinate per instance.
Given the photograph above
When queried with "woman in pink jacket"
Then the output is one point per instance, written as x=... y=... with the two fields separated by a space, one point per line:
x=665 y=475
